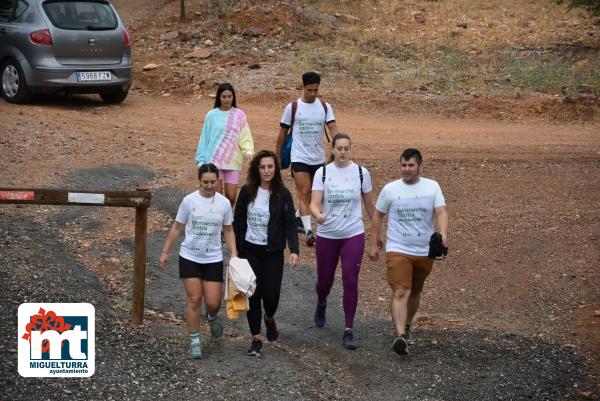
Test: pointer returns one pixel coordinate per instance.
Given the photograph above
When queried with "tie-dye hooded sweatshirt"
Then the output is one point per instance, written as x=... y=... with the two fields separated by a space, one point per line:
x=225 y=139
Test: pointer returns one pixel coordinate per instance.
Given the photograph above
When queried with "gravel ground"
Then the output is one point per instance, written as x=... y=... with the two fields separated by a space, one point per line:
x=307 y=364
x=498 y=308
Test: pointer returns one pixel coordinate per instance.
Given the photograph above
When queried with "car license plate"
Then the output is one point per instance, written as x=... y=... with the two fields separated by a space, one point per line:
x=93 y=76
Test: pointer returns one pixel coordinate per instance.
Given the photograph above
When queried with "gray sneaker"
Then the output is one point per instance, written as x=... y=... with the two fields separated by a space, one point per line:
x=195 y=351
x=216 y=327
x=409 y=338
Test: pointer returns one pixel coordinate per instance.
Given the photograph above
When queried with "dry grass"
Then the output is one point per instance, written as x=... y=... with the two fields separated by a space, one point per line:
x=495 y=47
x=346 y=59
x=489 y=24
x=434 y=51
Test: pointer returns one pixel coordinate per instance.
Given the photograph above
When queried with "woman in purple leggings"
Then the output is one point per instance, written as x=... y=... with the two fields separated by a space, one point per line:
x=338 y=188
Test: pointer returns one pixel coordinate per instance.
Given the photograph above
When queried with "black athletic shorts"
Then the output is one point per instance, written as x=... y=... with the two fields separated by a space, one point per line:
x=298 y=167
x=204 y=271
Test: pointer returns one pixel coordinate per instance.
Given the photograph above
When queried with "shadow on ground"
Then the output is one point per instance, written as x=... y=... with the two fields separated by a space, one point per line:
x=118 y=177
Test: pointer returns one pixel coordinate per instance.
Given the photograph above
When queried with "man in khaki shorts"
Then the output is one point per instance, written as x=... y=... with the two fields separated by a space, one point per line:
x=412 y=203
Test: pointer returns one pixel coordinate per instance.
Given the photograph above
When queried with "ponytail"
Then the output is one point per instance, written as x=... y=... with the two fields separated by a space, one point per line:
x=207 y=168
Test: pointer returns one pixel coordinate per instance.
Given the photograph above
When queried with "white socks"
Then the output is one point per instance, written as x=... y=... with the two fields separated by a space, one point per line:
x=195 y=338
x=306 y=223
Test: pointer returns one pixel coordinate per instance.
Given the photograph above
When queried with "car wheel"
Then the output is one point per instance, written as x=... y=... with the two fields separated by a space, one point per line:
x=14 y=87
x=114 y=97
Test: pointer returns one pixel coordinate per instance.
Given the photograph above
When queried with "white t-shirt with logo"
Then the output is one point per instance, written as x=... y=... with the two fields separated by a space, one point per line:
x=342 y=205
x=410 y=210
x=308 y=129
x=204 y=219
x=258 y=218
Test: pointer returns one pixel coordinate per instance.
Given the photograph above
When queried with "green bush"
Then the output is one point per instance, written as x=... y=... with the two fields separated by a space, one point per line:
x=592 y=6
x=551 y=76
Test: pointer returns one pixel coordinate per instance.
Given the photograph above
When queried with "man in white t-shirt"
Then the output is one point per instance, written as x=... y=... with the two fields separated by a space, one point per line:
x=308 y=154
x=412 y=203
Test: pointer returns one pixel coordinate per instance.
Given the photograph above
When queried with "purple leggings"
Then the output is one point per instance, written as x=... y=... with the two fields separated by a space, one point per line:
x=329 y=251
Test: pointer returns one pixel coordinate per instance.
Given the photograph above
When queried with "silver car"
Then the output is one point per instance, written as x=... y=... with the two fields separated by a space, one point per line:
x=49 y=46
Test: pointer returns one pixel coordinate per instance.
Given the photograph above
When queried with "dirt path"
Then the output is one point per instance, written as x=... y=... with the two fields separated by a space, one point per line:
x=522 y=274
x=164 y=133
x=307 y=364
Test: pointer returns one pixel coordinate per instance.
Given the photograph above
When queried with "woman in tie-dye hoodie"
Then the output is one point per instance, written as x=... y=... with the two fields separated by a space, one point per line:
x=226 y=141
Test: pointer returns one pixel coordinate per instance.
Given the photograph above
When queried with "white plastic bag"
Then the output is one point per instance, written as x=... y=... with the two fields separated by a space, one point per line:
x=242 y=276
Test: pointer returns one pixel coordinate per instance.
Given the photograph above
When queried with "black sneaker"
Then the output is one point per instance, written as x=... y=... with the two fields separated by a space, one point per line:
x=300 y=225
x=272 y=332
x=310 y=238
x=348 y=341
x=408 y=337
x=320 y=315
x=255 y=348
x=400 y=345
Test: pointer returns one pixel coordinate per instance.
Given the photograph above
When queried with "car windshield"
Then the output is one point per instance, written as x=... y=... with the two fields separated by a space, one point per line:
x=81 y=15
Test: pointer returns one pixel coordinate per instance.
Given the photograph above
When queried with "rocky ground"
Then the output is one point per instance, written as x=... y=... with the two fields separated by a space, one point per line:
x=511 y=314
x=436 y=57
x=306 y=364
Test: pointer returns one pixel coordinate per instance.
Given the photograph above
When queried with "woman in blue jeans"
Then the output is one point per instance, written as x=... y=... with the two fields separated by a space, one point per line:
x=264 y=219
x=337 y=192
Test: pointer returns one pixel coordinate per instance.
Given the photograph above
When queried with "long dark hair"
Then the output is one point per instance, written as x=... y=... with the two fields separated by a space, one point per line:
x=253 y=179
x=338 y=136
x=207 y=168
x=222 y=88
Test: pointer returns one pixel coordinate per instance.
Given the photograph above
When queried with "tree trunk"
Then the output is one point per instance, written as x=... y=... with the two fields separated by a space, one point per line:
x=182 y=8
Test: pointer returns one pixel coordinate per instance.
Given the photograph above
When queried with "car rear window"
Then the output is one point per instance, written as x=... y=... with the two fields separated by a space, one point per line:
x=6 y=10
x=81 y=15
x=20 y=9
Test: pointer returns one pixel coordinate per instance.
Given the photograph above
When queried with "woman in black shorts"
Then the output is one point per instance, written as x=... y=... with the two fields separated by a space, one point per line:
x=203 y=214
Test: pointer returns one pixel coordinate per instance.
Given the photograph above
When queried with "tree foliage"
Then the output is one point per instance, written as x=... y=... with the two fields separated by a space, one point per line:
x=592 y=6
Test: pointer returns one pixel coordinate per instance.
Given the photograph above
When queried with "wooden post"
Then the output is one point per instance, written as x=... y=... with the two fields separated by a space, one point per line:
x=139 y=264
x=139 y=199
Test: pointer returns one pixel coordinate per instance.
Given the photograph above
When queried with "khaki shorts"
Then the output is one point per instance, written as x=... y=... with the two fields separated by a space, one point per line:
x=407 y=271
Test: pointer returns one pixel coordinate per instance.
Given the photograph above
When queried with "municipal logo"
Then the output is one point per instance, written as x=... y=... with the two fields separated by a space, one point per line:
x=56 y=340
